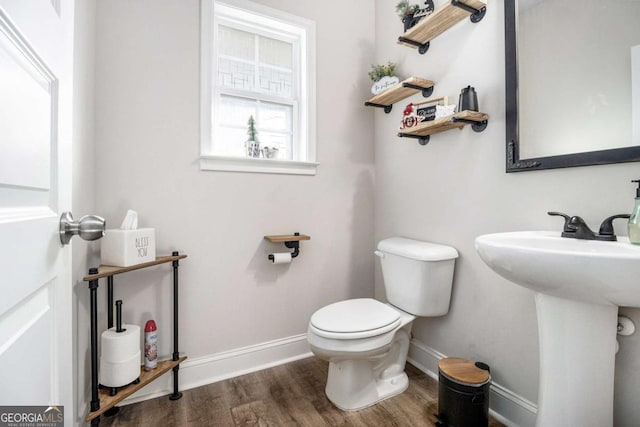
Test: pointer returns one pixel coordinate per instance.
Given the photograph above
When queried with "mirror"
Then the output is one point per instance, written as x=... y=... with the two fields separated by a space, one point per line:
x=572 y=83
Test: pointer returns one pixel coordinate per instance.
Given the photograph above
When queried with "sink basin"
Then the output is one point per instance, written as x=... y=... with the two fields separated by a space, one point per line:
x=582 y=270
x=579 y=285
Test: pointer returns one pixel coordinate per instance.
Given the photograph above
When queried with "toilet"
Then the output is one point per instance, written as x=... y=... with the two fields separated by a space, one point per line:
x=365 y=341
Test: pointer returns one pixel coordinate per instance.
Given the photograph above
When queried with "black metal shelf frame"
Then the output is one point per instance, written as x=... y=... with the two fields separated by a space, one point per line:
x=95 y=385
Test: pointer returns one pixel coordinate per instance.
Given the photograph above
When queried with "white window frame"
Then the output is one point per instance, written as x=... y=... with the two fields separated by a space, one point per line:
x=304 y=114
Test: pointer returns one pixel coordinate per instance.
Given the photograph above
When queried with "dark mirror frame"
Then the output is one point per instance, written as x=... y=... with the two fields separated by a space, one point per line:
x=514 y=162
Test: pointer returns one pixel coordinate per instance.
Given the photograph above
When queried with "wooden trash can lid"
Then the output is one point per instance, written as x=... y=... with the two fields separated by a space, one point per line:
x=463 y=371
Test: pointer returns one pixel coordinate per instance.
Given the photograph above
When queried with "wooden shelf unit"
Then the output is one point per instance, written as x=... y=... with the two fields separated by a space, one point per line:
x=422 y=131
x=402 y=90
x=107 y=401
x=110 y=270
x=287 y=238
x=440 y=21
x=101 y=399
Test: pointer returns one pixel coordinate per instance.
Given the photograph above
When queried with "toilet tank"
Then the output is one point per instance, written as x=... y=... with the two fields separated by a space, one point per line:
x=418 y=276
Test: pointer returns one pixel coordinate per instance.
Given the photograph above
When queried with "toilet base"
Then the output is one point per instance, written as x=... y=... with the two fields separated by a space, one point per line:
x=359 y=389
x=355 y=384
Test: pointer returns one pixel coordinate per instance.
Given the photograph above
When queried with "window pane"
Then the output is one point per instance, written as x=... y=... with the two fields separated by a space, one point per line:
x=274 y=124
x=275 y=117
x=229 y=141
x=235 y=74
x=276 y=52
x=236 y=111
x=236 y=43
x=276 y=82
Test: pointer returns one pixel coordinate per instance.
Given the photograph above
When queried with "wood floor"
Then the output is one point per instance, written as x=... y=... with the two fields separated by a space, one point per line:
x=287 y=395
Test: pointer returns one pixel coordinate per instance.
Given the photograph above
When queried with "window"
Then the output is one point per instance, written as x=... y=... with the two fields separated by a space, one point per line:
x=257 y=62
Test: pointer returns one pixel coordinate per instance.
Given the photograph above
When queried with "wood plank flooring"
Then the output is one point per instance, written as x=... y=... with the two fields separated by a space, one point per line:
x=286 y=395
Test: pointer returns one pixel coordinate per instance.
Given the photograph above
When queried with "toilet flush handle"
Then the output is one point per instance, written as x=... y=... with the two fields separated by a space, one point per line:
x=379 y=254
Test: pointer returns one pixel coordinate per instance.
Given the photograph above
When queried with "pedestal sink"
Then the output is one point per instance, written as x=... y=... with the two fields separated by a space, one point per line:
x=579 y=285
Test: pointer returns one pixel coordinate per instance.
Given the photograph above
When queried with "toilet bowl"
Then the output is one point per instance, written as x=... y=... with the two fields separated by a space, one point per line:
x=365 y=341
x=366 y=355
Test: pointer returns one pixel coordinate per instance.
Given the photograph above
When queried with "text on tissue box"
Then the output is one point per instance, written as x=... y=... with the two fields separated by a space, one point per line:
x=124 y=248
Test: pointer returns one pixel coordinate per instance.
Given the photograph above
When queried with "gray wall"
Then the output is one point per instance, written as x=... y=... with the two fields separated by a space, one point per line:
x=147 y=135
x=455 y=189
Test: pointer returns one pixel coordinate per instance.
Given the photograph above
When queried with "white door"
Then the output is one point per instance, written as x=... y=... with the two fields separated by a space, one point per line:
x=36 y=54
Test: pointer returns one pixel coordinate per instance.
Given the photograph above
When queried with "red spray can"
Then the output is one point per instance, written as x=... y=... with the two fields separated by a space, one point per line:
x=150 y=346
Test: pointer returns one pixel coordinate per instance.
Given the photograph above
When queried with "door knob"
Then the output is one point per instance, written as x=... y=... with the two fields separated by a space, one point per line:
x=89 y=227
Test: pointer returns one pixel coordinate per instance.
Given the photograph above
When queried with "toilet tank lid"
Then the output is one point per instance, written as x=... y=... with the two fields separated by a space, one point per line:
x=415 y=249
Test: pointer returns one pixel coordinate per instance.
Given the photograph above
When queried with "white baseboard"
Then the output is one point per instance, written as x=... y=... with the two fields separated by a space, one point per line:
x=221 y=366
x=506 y=406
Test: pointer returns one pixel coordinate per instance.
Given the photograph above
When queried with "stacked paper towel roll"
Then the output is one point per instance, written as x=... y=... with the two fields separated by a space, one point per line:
x=120 y=356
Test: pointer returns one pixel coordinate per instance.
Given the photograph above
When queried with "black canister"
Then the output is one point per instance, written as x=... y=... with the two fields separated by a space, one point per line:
x=468 y=99
x=463 y=393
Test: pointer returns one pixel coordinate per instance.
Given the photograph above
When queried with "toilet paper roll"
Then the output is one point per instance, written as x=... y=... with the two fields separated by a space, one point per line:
x=120 y=346
x=281 y=258
x=118 y=374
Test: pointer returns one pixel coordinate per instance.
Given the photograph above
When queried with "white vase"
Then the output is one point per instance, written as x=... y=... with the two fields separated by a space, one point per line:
x=253 y=148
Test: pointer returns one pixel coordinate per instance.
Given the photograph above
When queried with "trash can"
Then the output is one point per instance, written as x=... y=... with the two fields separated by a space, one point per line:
x=463 y=393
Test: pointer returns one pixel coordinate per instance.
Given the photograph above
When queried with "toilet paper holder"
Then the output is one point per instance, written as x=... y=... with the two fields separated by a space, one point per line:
x=291 y=241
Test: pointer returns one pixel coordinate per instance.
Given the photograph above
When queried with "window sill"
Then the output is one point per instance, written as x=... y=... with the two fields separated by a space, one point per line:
x=245 y=164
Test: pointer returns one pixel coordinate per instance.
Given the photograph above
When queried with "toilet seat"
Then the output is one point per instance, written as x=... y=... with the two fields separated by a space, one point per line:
x=354 y=319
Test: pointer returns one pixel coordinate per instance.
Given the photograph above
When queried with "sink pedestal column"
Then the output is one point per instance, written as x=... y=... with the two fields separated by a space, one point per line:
x=577 y=359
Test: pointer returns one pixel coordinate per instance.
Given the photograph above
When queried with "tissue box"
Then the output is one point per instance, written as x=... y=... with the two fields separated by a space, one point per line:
x=124 y=248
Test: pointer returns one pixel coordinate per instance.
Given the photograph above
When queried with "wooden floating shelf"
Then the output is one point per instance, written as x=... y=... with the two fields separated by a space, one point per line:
x=107 y=401
x=110 y=270
x=402 y=90
x=440 y=21
x=422 y=131
x=287 y=238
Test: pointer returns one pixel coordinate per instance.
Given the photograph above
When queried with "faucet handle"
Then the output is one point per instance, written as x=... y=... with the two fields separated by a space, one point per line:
x=567 y=220
x=606 y=228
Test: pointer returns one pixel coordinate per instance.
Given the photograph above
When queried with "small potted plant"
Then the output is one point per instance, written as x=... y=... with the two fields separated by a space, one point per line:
x=406 y=11
x=383 y=77
x=411 y=14
x=252 y=145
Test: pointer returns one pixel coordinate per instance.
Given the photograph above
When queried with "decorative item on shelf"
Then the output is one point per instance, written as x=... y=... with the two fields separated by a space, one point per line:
x=445 y=110
x=128 y=245
x=270 y=152
x=150 y=346
x=411 y=14
x=426 y=111
x=383 y=77
x=291 y=241
x=410 y=118
x=252 y=145
x=468 y=99
x=438 y=117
